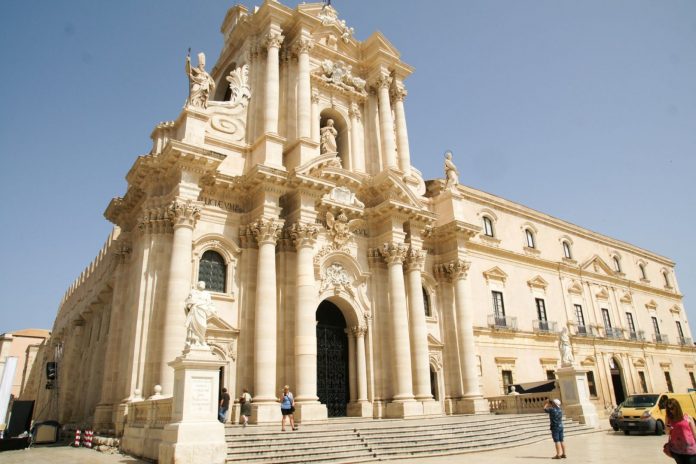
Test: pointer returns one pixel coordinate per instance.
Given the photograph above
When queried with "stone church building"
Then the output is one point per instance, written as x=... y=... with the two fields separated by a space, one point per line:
x=286 y=185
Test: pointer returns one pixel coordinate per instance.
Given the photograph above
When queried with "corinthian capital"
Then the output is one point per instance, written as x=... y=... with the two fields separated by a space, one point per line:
x=184 y=214
x=273 y=39
x=383 y=82
x=454 y=270
x=354 y=111
x=304 y=236
x=398 y=93
x=266 y=231
x=358 y=331
x=394 y=253
x=415 y=259
x=302 y=45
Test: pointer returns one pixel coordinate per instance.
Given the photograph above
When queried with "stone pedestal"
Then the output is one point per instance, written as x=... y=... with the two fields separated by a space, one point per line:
x=306 y=413
x=432 y=407
x=195 y=435
x=265 y=413
x=302 y=152
x=575 y=395
x=360 y=409
x=477 y=405
x=268 y=150
x=403 y=409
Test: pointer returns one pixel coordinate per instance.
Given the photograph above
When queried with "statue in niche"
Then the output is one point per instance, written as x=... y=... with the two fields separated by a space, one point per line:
x=565 y=349
x=451 y=172
x=199 y=308
x=200 y=82
x=328 y=138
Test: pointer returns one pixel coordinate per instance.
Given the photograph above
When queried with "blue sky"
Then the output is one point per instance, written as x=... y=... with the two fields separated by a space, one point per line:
x=584 y=110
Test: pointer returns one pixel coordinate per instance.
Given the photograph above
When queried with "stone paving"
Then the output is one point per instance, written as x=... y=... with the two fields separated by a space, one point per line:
x=596 y=448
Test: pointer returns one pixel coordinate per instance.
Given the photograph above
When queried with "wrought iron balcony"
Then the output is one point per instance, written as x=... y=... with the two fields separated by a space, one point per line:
x=502 y=322
x=637 y=336
x=685 y=341
x=584 y=331
x=613 y=332
x=544 y=326
x=661 y=338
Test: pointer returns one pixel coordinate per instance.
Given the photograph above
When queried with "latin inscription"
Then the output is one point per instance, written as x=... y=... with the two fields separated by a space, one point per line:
x=226 y=205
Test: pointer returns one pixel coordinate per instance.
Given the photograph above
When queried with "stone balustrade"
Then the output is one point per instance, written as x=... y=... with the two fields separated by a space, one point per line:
x=145 y=421
x=520 y=404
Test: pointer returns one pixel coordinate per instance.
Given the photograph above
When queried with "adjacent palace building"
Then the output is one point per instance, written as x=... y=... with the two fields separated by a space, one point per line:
x=286 y=185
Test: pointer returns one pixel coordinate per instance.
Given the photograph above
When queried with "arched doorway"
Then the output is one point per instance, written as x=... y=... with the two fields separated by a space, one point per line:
x=332 y=359
x=617 y=380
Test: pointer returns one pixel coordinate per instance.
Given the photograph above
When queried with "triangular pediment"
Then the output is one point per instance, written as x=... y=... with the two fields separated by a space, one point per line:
x=434 y=342
x=639 y=362
x=675 y=309
x=538 y=282
x=651 y=304
x=377 y=43
x=626 y=298
x=602 y=294
x=575 y=288
x=597 y=265
x=217 y=324
x=495 y=273
x=388 y=186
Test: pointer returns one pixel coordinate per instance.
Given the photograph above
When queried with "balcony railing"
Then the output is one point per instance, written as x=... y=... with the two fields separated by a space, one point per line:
x=637 y=336
x=613 y=332
x=661 y=338
x=502 y=322
x=544 y=326
x=584 y=331
x=685 y=341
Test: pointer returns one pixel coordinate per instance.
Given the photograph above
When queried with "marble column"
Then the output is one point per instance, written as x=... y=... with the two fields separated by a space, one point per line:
x=419 y=329
x=360 y=363
x=304 y=88
x=394 y=254
x=316 y=119
x=404 y=153
x=472 y=401
x=357 y=154
x=386 y=123
x=266 y=233
x=173 y=323
x=272 y=95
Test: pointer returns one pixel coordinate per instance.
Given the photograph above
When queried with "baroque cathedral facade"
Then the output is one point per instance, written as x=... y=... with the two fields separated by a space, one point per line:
x=286 y=185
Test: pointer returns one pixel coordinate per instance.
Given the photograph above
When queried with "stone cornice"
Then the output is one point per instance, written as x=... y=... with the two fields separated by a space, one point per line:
x=456 y=229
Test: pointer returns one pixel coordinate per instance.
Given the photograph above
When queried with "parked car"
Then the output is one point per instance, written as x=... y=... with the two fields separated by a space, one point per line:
x=646 y=412
x=613 y=418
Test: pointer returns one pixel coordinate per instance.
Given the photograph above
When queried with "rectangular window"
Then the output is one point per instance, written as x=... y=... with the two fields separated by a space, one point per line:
x=566 y=250
x=643 y=383
x=607 y=320
x=591 y=383
x=680 y=332
x=693 y=380
x=550 y=375
x=498 y=306
x=530 y=238
x=507 y=381
x=668 y=381
x=631 y=325
x=487 y=226
x=656 y=327
x=580 y=318
x=541 y=314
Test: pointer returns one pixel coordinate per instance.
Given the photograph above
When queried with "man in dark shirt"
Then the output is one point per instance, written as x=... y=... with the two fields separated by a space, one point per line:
x=553 y=409
x=224 y=405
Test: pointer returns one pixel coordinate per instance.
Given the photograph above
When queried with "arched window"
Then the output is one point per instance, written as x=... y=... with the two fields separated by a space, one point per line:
x=643 y=275
x=213 y=271
x=488 y=226
x=566 y=250
x=426 y=303
x=617 y=264
x=530 y=238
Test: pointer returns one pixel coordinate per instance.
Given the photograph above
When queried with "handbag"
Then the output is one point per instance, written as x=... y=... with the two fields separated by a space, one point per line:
x=667 y=450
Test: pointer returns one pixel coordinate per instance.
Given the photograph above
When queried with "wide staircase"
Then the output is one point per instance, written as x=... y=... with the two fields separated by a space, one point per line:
x=349 y=440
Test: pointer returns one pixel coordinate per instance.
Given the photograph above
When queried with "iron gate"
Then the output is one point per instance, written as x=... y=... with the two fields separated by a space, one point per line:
x=332 y=368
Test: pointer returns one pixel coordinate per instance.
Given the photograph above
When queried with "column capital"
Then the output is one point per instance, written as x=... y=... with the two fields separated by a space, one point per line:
x=393 y=253
x=455 y=270
x=304 y=235
x=398 y=93
x=273 y=39
x=354 y=111
x=415 y=259
x=302 y=45
x=383 y=82
x=358 y=331
x=315 y=96
x=184 y=214
x=266 y=231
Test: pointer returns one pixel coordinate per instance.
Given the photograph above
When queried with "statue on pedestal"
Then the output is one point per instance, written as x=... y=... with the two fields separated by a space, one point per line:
x=200 y=82
x=451 y=172
x=328 y=138
x=565 y=348
x=199 y=308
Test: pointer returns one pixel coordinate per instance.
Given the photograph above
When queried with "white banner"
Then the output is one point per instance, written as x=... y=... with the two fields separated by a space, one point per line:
x=6 y=386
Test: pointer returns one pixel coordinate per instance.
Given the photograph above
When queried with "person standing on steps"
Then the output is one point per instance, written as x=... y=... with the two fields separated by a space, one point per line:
x=287 y=408
x=245 y=410
x=553 y=409
x=224 y=405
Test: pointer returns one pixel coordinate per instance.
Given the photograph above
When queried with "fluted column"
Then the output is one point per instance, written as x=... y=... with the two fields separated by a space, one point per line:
x=419 y=330
x=404 y=153
x=304 y=89
x=184 y=217
x=266 y=233
x=315 y=116
x=386 y=122
x=457 y=271
x=356 y=144
x=360 y=363
x=271 y=104
x=304 y=237
x=394 y=254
